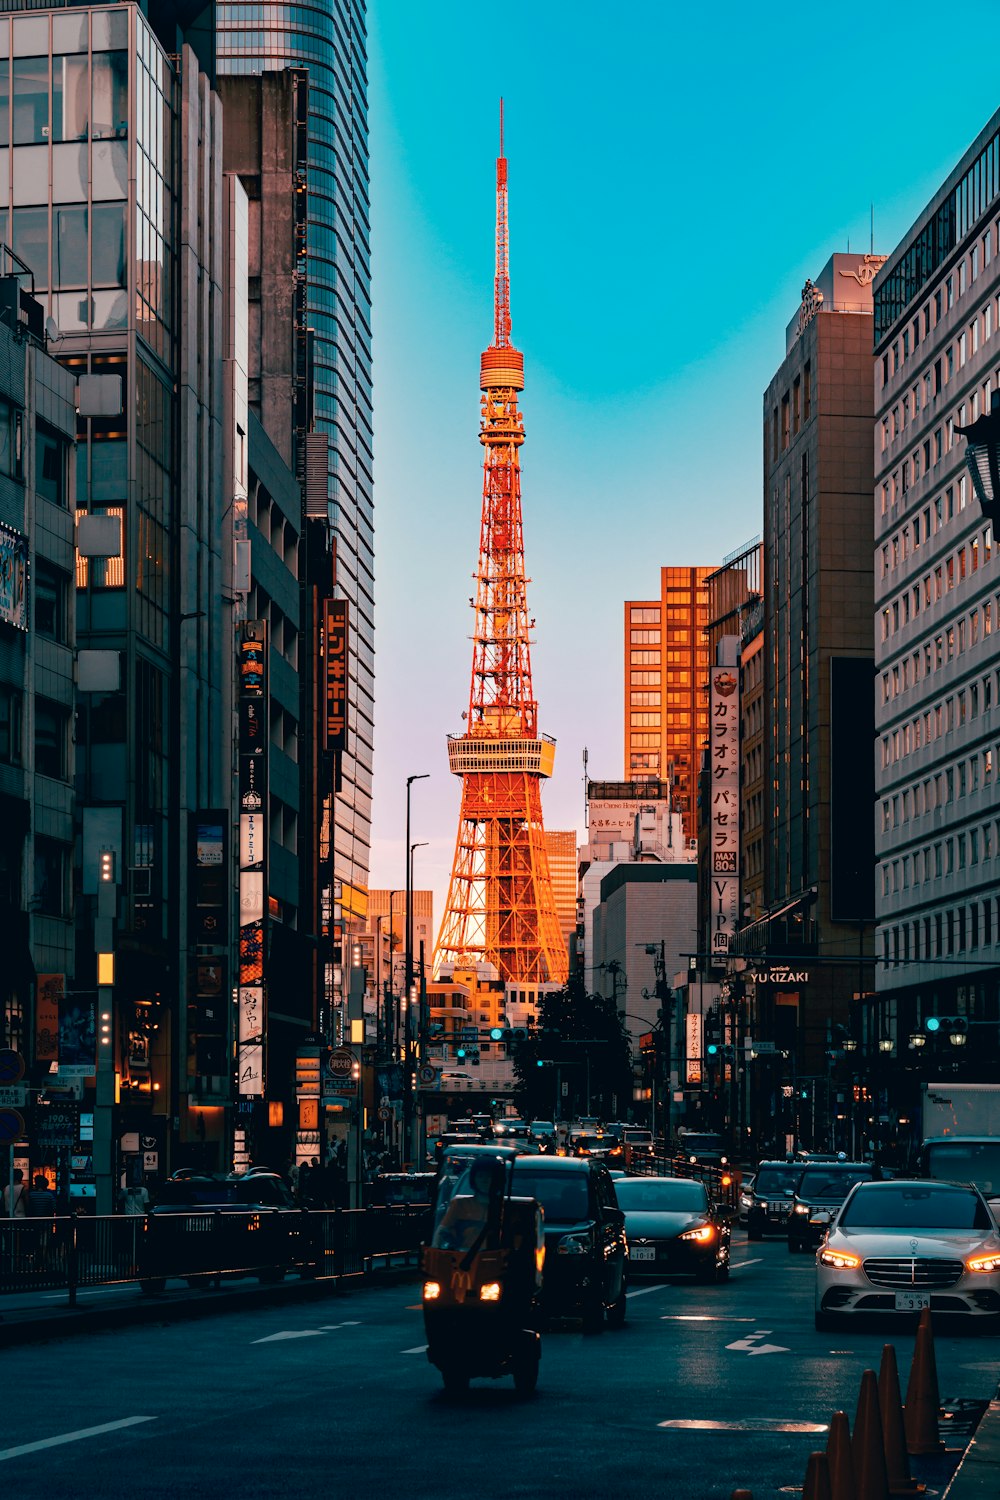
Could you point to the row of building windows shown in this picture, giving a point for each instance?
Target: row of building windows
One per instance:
(645, 615)
(937, 791)
(945, 717)
(944, 647)
(943, 934)
(940, 580)
(927, 455)
(793, 411)
(923, 525)
(51, 733)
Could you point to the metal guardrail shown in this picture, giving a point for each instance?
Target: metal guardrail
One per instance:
(40, 1255)
(722, 1183)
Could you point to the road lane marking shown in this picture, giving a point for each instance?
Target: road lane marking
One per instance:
(417, 1349)
(762, 1424)
(332, 1327)
(641, 1291)
(737, 1265)
(73, 1437)
(703, 1318)
(749, 1345)
(299, 1333)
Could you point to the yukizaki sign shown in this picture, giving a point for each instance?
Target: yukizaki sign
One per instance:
(781, 978)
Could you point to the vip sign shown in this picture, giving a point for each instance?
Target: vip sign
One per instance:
(724, 816)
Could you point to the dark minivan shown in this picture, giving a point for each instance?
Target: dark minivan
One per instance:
(585, 1248)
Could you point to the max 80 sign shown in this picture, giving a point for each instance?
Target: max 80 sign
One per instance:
(724, 808)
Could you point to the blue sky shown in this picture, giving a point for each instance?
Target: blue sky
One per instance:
(675, 176)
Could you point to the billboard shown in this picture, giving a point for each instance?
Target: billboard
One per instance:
(13, 578)
(253, 795)
(335, 674)
(724, 808)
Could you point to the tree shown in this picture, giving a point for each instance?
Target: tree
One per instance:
(579, 1039)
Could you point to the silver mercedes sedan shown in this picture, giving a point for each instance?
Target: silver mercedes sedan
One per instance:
(898, 1247)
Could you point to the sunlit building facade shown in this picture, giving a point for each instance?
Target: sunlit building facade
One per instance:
(666, 675)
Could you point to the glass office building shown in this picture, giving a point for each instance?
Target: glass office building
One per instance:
(329, 39)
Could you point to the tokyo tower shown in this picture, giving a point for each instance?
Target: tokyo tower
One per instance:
(500, 907)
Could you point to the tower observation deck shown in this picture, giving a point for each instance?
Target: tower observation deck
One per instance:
(500, 907)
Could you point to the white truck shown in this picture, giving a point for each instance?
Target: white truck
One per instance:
(960, 1125)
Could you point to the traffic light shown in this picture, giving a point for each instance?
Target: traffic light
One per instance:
(955, 1028)
(496, 1033)
(713, 1033)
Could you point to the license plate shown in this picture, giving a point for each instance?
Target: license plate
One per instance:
(643, 1252)
(912, 1301)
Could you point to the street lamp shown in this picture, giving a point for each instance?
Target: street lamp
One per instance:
(408, 974)
(982, 455)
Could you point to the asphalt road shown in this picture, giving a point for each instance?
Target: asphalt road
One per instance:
(336, 1398)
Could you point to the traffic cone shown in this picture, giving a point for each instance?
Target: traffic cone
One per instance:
(897, 1463)
(867, 1445)
(817, 1485)
(840, 1459)
(920, 1414)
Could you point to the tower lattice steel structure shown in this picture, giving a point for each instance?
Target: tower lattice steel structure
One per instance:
(500, 906)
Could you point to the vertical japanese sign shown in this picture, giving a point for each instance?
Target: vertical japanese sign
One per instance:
(692, 1046)
(335, 674)
(47, 997)
(253, 718)
(724, 808)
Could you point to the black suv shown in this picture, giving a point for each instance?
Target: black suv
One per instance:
(771, 1198)
(585, 1249)
(820, 1191)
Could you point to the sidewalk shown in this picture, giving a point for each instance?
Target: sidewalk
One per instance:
(34, 1317)
(978, 1474)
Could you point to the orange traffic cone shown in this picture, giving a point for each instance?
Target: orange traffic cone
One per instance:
(920, 1414)
(817, 1485)
(867, 1444)
(840, 1459)
(897, 1462)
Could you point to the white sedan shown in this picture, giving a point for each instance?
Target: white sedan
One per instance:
(898, 1247)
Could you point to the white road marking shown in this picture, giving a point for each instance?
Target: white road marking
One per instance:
(701, 1318)
(641, 1291)
(749, 1345)
(764, 1424)
(332, 1327)
(73, 1437)
(737, 1265)
(300, 1333)
(417, 1349)
(83, 1291)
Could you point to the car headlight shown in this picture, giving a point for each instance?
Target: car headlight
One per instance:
(573, 1244)
(801, 1208)
(745, 1200)
(490, 1291)
(840, 1260)
(701, 1235)
(983, 1262)
(432, 1291)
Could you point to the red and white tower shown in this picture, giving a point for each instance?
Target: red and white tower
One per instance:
(500, 907)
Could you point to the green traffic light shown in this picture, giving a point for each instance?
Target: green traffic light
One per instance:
(496, 1033)
(539, 1064)
(933, 1023)
(712, 1049)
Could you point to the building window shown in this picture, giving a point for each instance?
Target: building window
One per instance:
(50, 897)
(50, 739)
(10, 725)
(30, 80)
(50, 465)
(48, 593)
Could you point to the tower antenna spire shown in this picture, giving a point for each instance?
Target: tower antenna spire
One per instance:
(501, 293)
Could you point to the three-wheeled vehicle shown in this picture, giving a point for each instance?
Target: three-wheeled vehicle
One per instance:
(482, 1277)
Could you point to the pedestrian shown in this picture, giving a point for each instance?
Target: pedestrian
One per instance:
(305, 1171)
(15, 1204)
(133, 1200)
(41, 1199)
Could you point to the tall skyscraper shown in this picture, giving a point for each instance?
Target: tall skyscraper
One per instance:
(937, 331)
(329, 40)
(666, 671)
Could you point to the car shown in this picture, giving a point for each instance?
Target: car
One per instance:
(701, 1148)
(745, 1198)
(585, 1246)
(819, 1192)
(606, 1148)
(638, 1145)
(455, 1138)
(898, 1247)
(673, 1227)
(247, 1223)
(771, 1198)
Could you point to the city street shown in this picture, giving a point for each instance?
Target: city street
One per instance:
(337, 1398)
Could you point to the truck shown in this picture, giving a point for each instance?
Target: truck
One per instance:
(960, 1126)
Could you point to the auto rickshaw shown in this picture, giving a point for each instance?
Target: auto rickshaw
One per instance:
(482, 1279)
